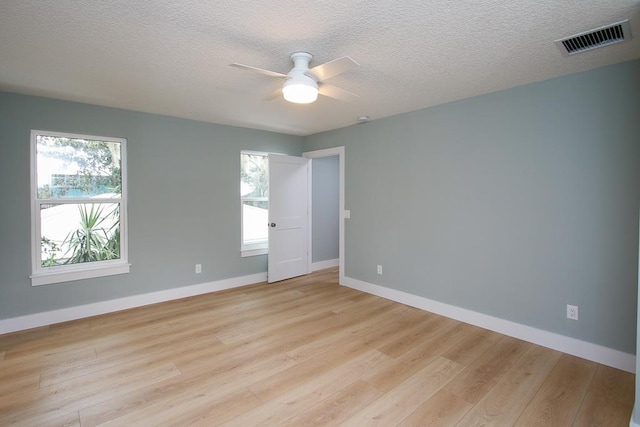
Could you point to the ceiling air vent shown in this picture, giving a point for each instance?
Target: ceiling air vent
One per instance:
(593, 39)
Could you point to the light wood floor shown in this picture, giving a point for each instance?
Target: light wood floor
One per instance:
(300, 352)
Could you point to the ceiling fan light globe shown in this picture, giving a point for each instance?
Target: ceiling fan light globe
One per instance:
(300, 92)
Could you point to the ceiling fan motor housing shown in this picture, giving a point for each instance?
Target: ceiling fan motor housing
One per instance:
(300, 87)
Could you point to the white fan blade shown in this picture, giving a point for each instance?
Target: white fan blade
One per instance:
(332, 68)
(259, 70)
(274, 95)
(337, 93)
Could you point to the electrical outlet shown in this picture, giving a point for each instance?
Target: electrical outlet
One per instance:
(198, 268)
(572, 312)
(379, 269)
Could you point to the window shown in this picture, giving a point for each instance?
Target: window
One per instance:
(78, 207)
(254, 199)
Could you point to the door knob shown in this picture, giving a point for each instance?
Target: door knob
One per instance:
(273, 224)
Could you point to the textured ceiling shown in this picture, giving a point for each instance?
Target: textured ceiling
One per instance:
(172, 57)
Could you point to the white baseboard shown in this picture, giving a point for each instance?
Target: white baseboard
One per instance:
(583, 349)
(321, 265)
(72, 313)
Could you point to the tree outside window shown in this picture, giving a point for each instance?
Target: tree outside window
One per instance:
(254, 195)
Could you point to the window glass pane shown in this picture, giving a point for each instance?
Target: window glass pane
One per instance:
(255, 215)
(76, 233)
(74, 167)
(254, 175)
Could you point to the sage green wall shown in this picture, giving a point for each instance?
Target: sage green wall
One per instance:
(325, 208)
(511, 204)
(636, 407)
(184, 203)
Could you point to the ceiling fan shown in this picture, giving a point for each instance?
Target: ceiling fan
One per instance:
(302, 85)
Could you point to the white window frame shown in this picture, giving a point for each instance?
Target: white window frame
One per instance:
(64, 273)
(252, 249)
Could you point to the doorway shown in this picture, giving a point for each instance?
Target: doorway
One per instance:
(327, 212)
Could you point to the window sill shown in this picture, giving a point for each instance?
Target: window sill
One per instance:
(67, 275)
(247, 252)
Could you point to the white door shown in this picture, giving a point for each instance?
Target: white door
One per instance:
(288, 217)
